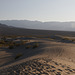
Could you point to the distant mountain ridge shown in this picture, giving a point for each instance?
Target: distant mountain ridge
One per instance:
(10, 30)
(3, 25)
(63, 26)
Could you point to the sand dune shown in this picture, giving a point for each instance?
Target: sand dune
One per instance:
(50, 58)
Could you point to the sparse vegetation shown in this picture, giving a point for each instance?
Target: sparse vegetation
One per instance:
(18, 56)
(23, 42)
(11, 46)
(73, 40)
(35, 45)
(2, 42)
(66, 38)
(51, 39)
(69, 39)
(28, 46)
(1, 45)
(17, 44)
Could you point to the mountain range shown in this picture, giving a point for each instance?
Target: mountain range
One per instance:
(62, 26)
(11, 30)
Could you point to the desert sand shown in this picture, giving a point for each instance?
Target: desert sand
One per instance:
(49, 58)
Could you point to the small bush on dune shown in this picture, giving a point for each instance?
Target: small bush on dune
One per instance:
(23, 42)
(1, 45)
(35, 45)
(28, 46)
(69, 39)
(73, 40)
(2, 42)
(32, 45)
(51, 39)
(11, 46)
(18, 55)
(66, 39)
(17, 44)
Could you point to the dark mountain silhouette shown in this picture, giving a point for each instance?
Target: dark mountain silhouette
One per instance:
(63, 26)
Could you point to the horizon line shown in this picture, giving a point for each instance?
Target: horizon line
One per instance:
(32, 20)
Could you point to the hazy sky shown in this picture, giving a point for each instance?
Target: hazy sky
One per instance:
(42, 10)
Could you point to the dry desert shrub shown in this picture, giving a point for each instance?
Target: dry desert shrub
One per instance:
(11, 46)
(17, 44)
(73, 40)
(35, 45)
(1, 45)
(69, 39)
(23, 42)
(18, 56)
(66, 38)
(28, 46)
(2, 42)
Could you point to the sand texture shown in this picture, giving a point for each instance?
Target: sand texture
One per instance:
(49, 58)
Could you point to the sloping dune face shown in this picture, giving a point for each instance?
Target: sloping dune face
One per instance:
(49, 58)
(61, 50)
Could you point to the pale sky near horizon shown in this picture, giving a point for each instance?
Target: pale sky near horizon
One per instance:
(41, 10)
